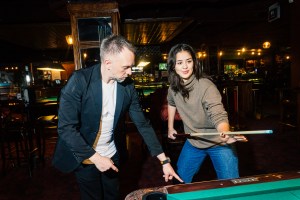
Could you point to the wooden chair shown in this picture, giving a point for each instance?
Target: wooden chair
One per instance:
(15, 135)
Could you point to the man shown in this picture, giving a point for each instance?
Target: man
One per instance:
(92, 105)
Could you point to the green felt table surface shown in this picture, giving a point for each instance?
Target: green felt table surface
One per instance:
(277, 190)
(273, 186)
(47, 99)
(148, 91)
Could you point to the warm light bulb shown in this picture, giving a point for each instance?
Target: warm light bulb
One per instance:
(69, 39)
(165, 56)
(143, 64)
(266, 45)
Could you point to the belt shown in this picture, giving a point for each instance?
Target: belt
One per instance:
(87, 162)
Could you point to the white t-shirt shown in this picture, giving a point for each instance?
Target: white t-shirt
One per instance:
(106, 145)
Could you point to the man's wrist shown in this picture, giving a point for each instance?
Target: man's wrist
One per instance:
(167, 160)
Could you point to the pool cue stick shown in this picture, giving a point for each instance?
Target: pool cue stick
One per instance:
(234, 133)
(227, 132)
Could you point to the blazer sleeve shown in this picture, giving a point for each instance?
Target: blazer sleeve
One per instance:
(143, 124)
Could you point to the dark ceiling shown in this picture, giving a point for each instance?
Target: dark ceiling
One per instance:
(38, 27)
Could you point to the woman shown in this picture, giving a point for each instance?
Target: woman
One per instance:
(199, 104)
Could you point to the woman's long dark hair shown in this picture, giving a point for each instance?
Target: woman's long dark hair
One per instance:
(176, 83)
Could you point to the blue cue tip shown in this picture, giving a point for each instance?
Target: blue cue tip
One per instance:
(269, 131)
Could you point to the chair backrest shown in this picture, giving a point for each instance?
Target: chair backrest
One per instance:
(164, 108)
(13, 113)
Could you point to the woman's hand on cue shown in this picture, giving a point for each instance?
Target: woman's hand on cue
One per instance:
(240, 138)
(229, 140)
(172, 133)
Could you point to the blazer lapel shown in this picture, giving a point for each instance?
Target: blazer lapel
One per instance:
(97, 94)
(119, 101)
(96, 89)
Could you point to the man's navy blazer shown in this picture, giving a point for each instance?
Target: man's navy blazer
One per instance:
(80, 108)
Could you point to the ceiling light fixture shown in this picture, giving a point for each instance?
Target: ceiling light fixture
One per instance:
(143, 64)
(69, 39)
(54, 66)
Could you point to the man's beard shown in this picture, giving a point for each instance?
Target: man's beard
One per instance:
(119, 80)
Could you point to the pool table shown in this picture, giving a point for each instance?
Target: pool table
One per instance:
(47, 99)
(44, 107)
(275, 186)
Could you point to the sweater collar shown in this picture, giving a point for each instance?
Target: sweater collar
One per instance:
(190, 82)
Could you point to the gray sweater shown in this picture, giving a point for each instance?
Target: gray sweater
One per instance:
(201, 112)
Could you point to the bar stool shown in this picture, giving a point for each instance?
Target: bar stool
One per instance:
(230, 100)
(256, 103)
(46, 127)
(288, 113)
(45, 116)
(288, 109)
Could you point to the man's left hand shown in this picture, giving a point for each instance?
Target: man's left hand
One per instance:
(169, 173)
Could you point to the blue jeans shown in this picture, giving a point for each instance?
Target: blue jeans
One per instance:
(224, 160)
